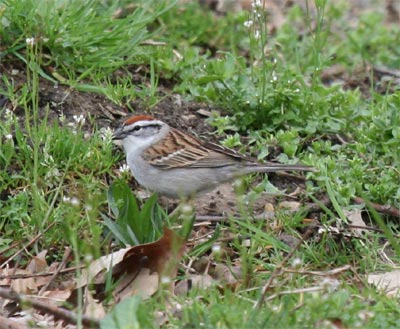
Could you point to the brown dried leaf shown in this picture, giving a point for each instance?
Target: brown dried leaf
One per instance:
(38, 263)
(92, 307)
(24, 286)
(139, 269)
(160, 256)
(389, 282)
(95, 272)
(356, 219)
(55, 297)
(226, 274)
(141, 283)
(196, 281)
(290, 206)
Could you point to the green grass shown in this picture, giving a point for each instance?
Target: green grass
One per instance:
(55, 172)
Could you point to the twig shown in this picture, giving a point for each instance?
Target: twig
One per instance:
(384, 209)
(295, 291)
(319, 273)
(368, 228)
(12, 246)
(289, 175)
(59, 313)
(386, 71)
(37, 237)
(67, 253)
(36, 275)
(341, 139)
(311, 207)
(221, 219)
(278, 270)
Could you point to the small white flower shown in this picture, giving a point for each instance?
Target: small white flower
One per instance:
(248, 23)
(297, 262)
(256, 4)
(187, 209)
(216, 248)
(106, 134)
(66, 199)
(75, 201)
(9, 116)
(165, 280)
(297, 90)
(79, 119)
(257, 34)
(124, 168)
(30, 42)
(88, 258)
(9, 136)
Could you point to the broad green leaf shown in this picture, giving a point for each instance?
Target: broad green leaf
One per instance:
(123, 316)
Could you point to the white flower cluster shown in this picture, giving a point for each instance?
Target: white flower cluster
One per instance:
(74, 201)
(106, 134)
(79, 119)
(124, 169)
(30, 42)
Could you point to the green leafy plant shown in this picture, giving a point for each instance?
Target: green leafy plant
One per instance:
(133, 224)
(130, 313)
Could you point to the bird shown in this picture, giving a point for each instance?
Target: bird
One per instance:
(173, 163)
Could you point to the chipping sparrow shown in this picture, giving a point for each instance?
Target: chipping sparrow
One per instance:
(168, 161)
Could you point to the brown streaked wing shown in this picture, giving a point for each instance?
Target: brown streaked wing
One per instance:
(175, 150)
(195, 154)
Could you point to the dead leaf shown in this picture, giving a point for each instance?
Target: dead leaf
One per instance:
(269, 207)
(389, 282)
(142, 283)
(137, 270)
(227, 275)
(24, 286)
(92, 308)
(355, 218)
(105, 263)
(291, 206)
(160, 256)
(38, 263)
(55, 297)
(196, 281)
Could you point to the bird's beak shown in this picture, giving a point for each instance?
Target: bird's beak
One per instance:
(118, 134)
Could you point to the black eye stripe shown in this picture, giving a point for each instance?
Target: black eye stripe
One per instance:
(137, 128)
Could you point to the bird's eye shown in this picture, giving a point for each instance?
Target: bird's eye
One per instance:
(137, 128)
